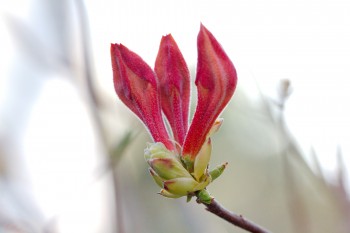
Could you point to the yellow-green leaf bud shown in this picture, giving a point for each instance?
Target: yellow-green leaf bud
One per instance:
(217, 171)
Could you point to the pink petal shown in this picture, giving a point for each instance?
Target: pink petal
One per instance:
(136, 85)
(174, 80)
(216, 82)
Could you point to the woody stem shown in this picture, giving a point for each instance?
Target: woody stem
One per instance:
(237, 220)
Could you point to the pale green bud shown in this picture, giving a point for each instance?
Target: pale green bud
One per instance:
(180, 186)
(202, 160)
(168, 168)
(170, 174)
(157, 150)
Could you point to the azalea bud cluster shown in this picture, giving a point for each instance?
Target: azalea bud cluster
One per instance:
(178, 164)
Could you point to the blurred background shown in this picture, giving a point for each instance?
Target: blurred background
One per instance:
(71, 155)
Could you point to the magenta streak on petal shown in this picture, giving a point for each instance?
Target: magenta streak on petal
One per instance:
(174, 79)
(216, 82)
(136, 86)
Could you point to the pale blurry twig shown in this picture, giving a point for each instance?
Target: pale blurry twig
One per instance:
(120, 148)
(115, 155)
(296, 202)
(340, 191)
(318, 167)
(237, 220)
(94, 106)
(35, 47)
(88, 72)
(296, 206)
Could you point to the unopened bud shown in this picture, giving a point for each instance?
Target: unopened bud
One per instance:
(180, 186)
(217, 171)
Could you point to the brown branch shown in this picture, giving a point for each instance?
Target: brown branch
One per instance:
(237, 220)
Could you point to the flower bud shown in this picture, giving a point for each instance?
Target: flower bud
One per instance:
(174, 80)
(180, 171)
(136, 85)
(216, 82)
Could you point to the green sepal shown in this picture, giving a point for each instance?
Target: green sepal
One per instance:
(156, 177)
(189, 197)
(202, 160)
(180, 186)
(203, 196)
(217, 171)
(203, 184)
(165, 193)
(188, 162)
(168, 168)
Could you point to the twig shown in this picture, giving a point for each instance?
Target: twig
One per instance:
(118, 200)
(94, 105)
(237, 220)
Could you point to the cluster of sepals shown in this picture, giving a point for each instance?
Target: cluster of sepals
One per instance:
(178, 164)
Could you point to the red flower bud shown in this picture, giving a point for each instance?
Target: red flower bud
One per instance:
(174, 80)
(140, 90)
(136, 86)
(216, 82)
